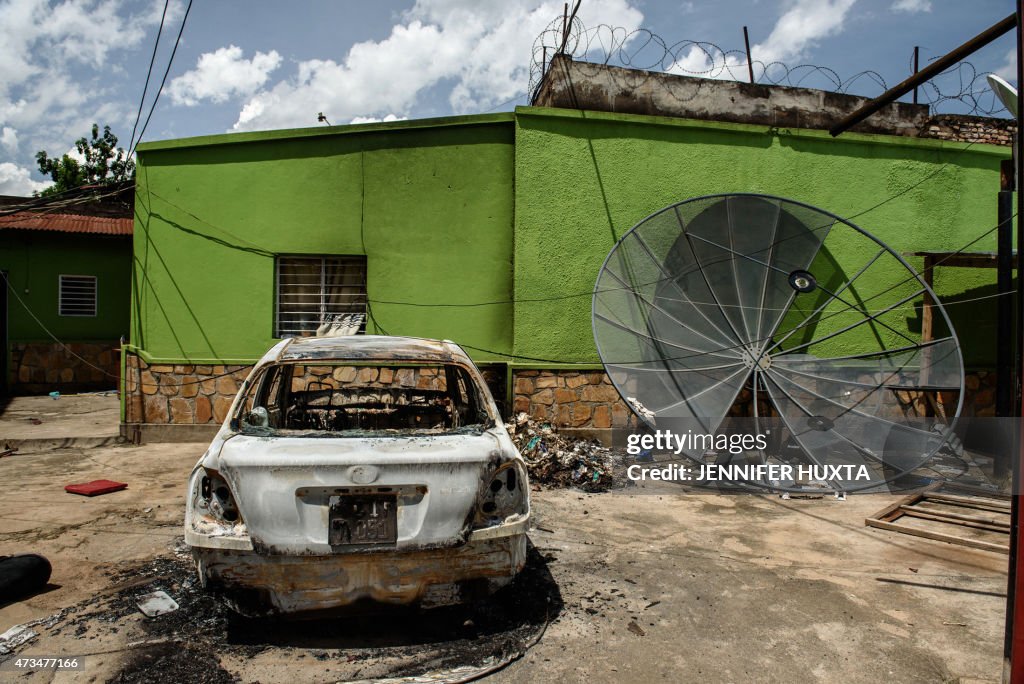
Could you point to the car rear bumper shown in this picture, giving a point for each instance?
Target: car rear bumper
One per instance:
(262, 584)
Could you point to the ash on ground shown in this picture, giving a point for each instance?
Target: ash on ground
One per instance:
(199, 641)
(554, 460)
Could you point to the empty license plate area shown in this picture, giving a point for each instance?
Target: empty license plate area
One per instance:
(363, 519)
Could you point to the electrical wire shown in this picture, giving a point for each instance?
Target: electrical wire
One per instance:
(149, 73)
(170, 61)
(10, 288)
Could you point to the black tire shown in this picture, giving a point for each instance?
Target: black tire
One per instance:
(22, 575)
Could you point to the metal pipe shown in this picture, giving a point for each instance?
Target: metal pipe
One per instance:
(1004, 318)
(926, 74)
(750, 62)
(1013, 643)
(917, 53)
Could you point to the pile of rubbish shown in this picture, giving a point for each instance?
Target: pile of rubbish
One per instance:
(555, 461)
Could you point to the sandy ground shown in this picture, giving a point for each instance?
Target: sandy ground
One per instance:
(670, 586)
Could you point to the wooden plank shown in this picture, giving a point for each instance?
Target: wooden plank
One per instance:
(977, 524)
(938, 536)
(895, 507)
(967, 502)
(960, 516)
(958, 488)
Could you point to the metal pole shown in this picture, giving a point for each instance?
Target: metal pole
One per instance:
(917, 52)
(565, 25)
(750, 62)
(926, 74)
(1013, 647)
(1004, 324)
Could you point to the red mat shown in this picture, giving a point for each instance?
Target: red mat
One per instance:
(96, 487)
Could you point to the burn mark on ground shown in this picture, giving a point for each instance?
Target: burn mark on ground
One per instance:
(199, 640)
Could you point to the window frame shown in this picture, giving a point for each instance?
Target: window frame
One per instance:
(276, 327)
(95, 296)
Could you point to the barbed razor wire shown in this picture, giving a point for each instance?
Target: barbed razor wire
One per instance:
(645, 54)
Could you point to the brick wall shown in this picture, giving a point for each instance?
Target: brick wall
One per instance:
(587, 399)
(963, 128)
(180, 394)
(38, 368)
(570, 399)
(193, 395)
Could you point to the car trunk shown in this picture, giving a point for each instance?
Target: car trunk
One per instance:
(329, 495)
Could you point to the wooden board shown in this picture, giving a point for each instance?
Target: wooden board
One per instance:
(994, 508)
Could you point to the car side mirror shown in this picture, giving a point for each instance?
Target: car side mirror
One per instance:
(258, 417)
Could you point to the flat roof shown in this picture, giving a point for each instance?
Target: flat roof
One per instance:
(371, 347)
(326, 131)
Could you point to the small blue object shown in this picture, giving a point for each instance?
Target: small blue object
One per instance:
(645, 456)
(55, 395)
(532, 443)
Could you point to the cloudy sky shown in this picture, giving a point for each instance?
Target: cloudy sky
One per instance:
(255, 64)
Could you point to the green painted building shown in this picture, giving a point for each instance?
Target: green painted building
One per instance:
(488, 230)
(64, 307)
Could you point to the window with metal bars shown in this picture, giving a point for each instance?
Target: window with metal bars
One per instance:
(77, 295)
(314, 293)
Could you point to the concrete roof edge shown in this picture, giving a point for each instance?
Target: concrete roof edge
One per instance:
(326, 131)
(874, 138)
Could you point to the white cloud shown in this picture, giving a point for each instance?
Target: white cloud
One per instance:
(223, 74)
(56, 61)
(1008, 70)
(15, 180)
(373, 119)
(482, 49)
(9, 139)
(800, 28)
(912, 6)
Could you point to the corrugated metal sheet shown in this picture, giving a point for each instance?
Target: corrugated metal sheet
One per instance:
(67, 223)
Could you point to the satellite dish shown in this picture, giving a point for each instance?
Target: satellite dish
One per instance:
(1006, 93)
(803, 322)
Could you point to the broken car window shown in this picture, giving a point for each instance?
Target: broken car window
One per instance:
(340, 399)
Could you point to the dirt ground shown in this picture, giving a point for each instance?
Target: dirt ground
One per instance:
(660, 586)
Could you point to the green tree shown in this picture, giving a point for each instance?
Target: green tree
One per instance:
(104, 163)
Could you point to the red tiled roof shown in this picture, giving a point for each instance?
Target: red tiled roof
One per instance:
(67, 223)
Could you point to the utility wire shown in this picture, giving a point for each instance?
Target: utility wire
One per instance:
(170, 61)
(10, 288)
(149, 73)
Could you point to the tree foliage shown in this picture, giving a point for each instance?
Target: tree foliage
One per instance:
(102, 163)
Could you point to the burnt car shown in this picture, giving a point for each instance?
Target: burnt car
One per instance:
(359, 468)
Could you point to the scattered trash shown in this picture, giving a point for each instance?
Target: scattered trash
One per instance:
(15, 637)
(34, 421)
(55, 395)
(23, 575)
(635, 628)
(955, 624)
(555, 460)
(96, 487)
(640, 408)
(156, 603)
(9, 451)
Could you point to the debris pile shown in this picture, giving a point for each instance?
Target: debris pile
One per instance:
(554, 460)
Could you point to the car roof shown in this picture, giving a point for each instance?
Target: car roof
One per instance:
(371, 348)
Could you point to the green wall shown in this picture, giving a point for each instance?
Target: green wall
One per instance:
(35, 260)
(472, 212)
(584, 178)
(428, 202)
